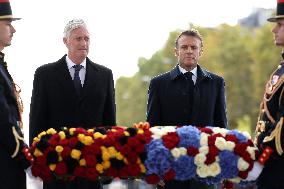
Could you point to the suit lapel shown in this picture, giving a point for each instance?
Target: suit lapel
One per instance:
(64, 77)
(91, 78)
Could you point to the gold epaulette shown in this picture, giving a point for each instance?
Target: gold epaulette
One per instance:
(276, 134)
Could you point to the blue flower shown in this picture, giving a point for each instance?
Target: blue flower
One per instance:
(229, 164)
(189, 136)
(159, 159)
(184, 167)
(240, 136)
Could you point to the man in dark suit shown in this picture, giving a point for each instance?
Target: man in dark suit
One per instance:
(72, 92)
(187, 95)
(14, 151)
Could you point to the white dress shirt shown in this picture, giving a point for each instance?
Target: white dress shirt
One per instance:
(82, 72)
(194, 73)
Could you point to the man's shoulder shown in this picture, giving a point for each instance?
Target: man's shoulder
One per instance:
(97, 66)
(162, 77)
(48, 66)
(211, 75)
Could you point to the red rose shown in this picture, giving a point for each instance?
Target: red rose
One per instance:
(111, 172)
(52, 142)
(231, 138)
(41, 160)
(125, 150)
(240, 148)
(210, 159)
(152, 179)
(132, 157)
(61, 168)
(45, 174)
(123, 172)
(80, 171)
(140, 148)
(73, 142)
(64, 142)
(133, 142)
(206, 130)
(91, 160)
(66, 152)
(92, 174)
(36, 170)
(80, 130)
(211, 140)
(47, 151)
(243, 174)
(170, 140)
(134, 170)
(169, 175)
(191, 151)
(218, 135)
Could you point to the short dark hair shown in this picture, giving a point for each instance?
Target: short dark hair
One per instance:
(192, 32)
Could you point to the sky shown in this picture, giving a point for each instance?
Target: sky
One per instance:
(121, 31)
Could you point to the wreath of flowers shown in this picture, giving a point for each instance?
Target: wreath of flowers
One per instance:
(208, 154)
(101, 153)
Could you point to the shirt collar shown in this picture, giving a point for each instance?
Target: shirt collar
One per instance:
(182, 70)
(70, 63)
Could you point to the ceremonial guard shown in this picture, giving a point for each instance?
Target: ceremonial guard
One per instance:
(269, 131)
(14, 153)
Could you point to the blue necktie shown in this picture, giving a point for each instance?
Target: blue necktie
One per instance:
(76, 80)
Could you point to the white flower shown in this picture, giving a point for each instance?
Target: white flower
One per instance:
(183, 151)
(251, 150)
(199, 159)
(214, 169)
(204, 150)
(230, 145)
(202, 171)
(220, 143)
(204, 139)
(242, 164)
(177, 152)
(159, 131)
(222, 131)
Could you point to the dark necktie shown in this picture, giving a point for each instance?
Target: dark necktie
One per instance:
(188, 76)
(76, 80)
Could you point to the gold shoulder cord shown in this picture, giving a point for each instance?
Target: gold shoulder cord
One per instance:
(276, 133)
(17, 91)
(17, 139)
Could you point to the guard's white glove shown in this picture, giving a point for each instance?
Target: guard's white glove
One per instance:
(29, 173)
(255, 172)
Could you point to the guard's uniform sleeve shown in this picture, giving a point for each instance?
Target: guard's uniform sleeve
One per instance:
(11, 137)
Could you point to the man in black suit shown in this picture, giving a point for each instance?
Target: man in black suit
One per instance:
(14, 152)
(187, 95)
(72, 92)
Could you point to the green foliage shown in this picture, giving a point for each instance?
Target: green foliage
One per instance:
(244, 57)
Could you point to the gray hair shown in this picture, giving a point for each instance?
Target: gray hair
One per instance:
(73, 24)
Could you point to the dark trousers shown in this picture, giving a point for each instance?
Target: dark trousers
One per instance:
(188, 184)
